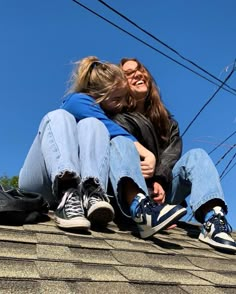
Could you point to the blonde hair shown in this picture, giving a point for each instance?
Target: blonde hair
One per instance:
(96, 78)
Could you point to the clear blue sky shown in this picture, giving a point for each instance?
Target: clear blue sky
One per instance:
(40, 40)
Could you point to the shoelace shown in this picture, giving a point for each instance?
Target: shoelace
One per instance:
(220, 222)
(72, 204)
(95, 196)
(148, 206)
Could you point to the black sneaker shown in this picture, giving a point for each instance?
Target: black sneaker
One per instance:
(70, 211)
(216, 233)
(99, 210)
(151, 217)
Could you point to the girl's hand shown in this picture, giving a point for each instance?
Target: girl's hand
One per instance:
(159, 194)
(148, 166)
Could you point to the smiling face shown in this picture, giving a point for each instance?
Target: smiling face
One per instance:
(137, 79)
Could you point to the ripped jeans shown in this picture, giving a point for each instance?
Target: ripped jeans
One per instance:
(82, 148)
(195, 175)
(64, 145)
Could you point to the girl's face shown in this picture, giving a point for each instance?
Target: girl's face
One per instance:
(137, 79)
(117, 99)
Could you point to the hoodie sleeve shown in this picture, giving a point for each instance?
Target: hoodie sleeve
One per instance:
(83, 106)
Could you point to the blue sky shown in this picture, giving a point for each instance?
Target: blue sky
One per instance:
(41, 39)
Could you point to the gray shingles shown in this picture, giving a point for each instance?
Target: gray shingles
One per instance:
(105, 287)
(102, 273)
(88, 243)
(56, 287)
(158, 289)
(52, 239)
(16, 287)
(197, 252)
(54, 252)
(42, 228)
(45, 259)
(202, 290)
(18, 250)
(153, 260)
(18, 236)
(134, 246)
(161, 276)
(18, 269)
(58, 270)
(93, 256)
(213, 263)
(217, 278)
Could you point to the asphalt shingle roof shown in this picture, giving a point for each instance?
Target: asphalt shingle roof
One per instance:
(41, 258)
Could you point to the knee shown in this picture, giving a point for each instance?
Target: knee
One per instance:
(93, 124)
(60, 114)
(198, 153)
(124, 143)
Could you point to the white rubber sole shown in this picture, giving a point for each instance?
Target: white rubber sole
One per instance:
(148, 232)
(73, 223)
(211, 242)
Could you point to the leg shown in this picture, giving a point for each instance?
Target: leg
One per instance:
(125, 170)
(131, 191)
(51, 166)
(53, 153)
(195, 174)
(94, 158)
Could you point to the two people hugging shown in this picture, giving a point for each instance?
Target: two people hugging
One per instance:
(113, 126)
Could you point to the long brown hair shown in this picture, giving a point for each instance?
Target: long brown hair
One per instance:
(154, 108)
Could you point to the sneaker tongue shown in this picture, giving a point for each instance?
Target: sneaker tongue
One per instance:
(218, 210)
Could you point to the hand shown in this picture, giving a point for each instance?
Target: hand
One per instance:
(159, 194)
(148, 160)
(148, 165)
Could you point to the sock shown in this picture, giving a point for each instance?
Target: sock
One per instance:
(215, 210)
(135, 204)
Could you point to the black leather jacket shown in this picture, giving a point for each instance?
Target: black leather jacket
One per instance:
(142, 129)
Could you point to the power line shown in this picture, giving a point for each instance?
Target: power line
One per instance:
(148, 45)
(209, 100)
(224, 155)
(225, 174)
(220, 144)
(164, 44)
(222, 174)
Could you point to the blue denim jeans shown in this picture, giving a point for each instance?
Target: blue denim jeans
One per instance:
(195, 175)
(82, 148)
(63, 145)
(125, 163)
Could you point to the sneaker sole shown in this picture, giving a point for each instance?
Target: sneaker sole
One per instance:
(168, 222)
(101, 213)
(74, 223)
(216, 245)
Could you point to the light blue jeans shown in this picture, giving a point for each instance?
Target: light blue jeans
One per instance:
(195, 174)
(82, 148)
(61, 145)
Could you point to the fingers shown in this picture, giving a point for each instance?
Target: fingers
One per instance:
(159, 197)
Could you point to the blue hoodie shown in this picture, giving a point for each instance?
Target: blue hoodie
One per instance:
(82, 106)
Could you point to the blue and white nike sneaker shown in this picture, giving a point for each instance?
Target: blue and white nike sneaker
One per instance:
(151, 217)
(216, 232)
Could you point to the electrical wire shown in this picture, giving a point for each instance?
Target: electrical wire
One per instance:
(225, 174)
(220, 144)
(209, 100)
(161, 42)
(223, 83)
(150, 46)
(224, 155)
(222, 174)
